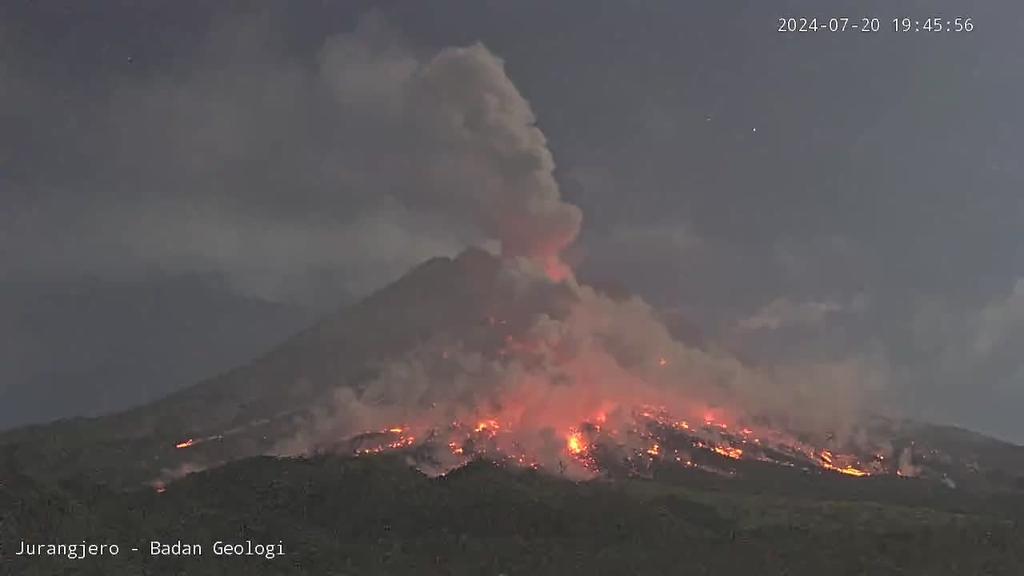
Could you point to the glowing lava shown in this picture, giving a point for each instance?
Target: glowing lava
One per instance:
(394, 438)
(728, 452)
(575, 444)
(490, 426)
(608, 442)
(827, 460)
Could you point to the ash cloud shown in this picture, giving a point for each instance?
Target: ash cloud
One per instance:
(295, 177)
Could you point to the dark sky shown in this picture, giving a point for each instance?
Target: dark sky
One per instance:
(183, 184)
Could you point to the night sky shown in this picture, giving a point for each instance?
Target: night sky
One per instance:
(184, 184)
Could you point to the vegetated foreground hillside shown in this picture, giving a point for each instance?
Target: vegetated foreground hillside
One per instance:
(376, 515)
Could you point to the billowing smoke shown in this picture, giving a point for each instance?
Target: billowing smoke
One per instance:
(476, 153)
(297, 176)
(512, 191)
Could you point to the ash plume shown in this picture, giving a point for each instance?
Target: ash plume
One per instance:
(296, 176)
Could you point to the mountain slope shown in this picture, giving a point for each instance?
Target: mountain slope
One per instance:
(262, 398)
(88, 347)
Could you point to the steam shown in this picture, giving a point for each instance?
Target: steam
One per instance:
(784, 312)
(906, 463)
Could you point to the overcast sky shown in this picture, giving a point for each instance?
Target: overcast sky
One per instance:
(239, 170)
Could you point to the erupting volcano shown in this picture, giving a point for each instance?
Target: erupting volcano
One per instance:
(504, 354)
(488, 357)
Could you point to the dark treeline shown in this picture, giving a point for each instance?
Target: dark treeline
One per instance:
(378, 516)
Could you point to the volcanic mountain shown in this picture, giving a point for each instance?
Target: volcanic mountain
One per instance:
(477, 357)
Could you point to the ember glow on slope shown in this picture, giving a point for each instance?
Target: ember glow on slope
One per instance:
(575, 392)
(582, 446)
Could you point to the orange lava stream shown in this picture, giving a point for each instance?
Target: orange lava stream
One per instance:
(728, 452)
(827, 463)
(575, 444)
(665, 440)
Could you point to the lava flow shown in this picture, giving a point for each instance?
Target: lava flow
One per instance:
(651, 438)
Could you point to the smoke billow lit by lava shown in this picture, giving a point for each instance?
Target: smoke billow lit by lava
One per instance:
(574, 382)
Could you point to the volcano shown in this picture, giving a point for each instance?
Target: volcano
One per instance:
(478, 416)
(480, 357)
